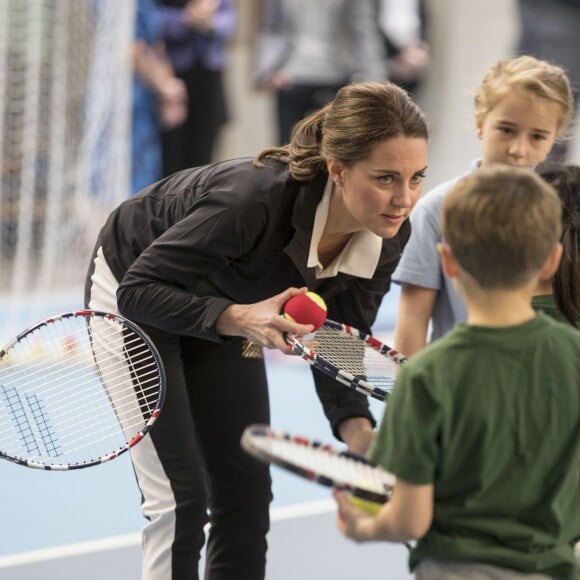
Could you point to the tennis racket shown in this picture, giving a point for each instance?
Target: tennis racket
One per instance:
(353, 358)
(77, 390)
(321, 463)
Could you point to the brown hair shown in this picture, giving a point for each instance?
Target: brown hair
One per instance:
(501, 224)
(535, 76)
(565, 179)
(361, 115)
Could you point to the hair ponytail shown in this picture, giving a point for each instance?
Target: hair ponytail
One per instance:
(303, 154)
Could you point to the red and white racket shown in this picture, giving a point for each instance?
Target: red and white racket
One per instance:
(321, 463)
(76, 390)
(353, 358)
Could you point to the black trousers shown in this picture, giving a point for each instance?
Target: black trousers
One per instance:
(298, 101)
(214, 392)
(192, 143)
(191, 468)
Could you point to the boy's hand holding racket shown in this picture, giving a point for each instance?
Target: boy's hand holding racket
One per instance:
(354, 519)
(368, 485)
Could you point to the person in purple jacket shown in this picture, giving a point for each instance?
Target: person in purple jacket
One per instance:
(196, 33)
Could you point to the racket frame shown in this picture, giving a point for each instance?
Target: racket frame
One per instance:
(340, 375)
(254, 432)
(138, 436)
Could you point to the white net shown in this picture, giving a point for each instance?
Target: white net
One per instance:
(65, 111)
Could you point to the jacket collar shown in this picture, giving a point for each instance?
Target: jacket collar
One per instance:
(308, 197)
(307, 200)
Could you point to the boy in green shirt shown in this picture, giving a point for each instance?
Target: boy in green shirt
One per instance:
(483, 427)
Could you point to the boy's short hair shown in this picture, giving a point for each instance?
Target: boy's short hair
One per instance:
(501, 224)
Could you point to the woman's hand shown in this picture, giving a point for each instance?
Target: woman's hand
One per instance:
(261, 322)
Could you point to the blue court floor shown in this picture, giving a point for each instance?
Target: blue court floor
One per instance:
(41, 510)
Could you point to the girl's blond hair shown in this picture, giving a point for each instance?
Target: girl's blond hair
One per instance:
(535, 76)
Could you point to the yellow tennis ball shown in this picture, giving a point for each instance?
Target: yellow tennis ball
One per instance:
(371, 507)
(308, 308)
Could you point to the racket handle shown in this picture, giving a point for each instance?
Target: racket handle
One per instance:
(371, 507)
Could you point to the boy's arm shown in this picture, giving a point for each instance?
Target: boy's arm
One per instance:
(415, 309)
(411, 454)
(407, 516)
(357, 433)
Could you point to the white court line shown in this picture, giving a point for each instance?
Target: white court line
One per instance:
(134, 540)
(301, 510)
(70, 550)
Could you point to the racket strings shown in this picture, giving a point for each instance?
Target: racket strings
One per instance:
(75, 385)
(35, 362)
(82, 377)
(356, 357)
(51, 382)
(53, 447)
(78, 371)
(129, 418)
(94, 436)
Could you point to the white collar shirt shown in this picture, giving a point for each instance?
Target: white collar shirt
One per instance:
(359, 257)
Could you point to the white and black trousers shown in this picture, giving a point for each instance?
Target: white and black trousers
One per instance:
(191, 468)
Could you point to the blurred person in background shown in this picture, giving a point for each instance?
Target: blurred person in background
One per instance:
(404, 26)
(159, 97)
(308, 49)
(196, 34)
(550, 30)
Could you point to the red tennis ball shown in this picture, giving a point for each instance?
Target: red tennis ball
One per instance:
(308, 308)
